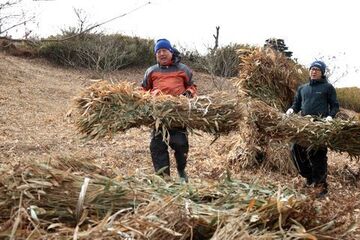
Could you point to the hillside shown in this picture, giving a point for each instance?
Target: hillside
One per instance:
(36, 121)
(37, 124)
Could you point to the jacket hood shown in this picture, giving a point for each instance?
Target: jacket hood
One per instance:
(176, 56)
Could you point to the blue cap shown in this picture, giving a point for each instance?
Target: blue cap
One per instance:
(163, 43)
(320, 65)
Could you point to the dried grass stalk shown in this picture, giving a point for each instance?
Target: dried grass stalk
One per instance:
(106, 109)
(338, 135)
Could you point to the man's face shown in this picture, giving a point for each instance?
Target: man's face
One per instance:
(315, 73)
(163, 57)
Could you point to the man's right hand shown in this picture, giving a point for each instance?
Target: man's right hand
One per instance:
(289, 111)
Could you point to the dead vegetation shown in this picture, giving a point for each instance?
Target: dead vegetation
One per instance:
(34, 128)
(105, 109)
(84, 204)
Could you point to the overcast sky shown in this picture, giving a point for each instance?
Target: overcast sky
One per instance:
(322, 29)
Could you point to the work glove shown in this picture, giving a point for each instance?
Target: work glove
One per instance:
(187, 94)
(289, 111)
(328, 119)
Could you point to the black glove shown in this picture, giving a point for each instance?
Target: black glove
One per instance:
(187, 94)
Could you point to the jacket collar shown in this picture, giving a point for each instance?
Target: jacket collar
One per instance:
(318, 81)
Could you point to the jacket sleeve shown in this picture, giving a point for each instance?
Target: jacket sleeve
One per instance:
(146, 83)
(297, 101)
(333, 102)
(189, 83)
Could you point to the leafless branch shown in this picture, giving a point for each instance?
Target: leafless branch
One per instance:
(100, 24)
(17, 24)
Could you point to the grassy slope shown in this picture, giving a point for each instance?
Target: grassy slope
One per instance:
(35, 101)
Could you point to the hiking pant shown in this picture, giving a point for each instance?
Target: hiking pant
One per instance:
(159, 150)
(311, 164)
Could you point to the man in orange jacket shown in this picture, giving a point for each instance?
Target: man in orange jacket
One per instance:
(171, 77)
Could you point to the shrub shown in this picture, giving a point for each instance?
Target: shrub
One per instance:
(98, 51)
(222, 62)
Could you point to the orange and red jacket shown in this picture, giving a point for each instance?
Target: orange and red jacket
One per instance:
(174, 79)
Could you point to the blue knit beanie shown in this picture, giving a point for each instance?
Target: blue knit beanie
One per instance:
(319, 64)
(163, 43)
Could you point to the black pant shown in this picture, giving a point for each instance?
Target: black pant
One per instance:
(311, 164)
(159, 150)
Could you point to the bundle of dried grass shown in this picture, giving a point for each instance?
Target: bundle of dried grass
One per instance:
(338, 135)
(252, 149)
(210, 212)
(274, 156)
(246, 147)
(347, 114)
(51, 193)
(106, 109)
(277, 157)
(43, 202)
(269, 76)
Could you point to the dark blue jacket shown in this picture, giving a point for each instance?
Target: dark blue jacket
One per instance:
(317, 98)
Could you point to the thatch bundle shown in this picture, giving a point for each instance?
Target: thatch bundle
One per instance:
(347, 114)
(270, 76)
(106, 109)
(39, 201)
(245, 147)
(338, 135)
(54, 193)
(253, 148)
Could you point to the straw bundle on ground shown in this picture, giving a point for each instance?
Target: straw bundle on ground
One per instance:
(106, 109)
(338, 135)
(251, 148)
(55, 193)
(269, 76)
(245, 150)
(42, 202)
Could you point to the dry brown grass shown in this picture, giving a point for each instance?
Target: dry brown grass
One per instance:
(35, 99)
(309, 132)
(270, 77)
(106, 109)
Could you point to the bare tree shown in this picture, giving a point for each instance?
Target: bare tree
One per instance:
(12, 16)
(216, 37)
(82, 19)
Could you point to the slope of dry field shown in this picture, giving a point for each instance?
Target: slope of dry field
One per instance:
(36, 124)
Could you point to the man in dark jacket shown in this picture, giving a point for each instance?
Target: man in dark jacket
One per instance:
(316, 98)
(171, 77)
